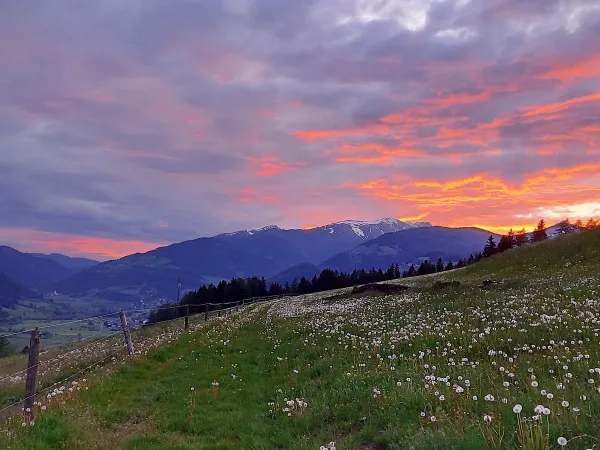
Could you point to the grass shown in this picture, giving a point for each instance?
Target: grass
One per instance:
(366, 371)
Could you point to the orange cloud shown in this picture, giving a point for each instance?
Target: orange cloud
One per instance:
(93, 247)
(267, 166)
(466, 201)
(414, 218)
(250, 195)
(566, 71)
(372, 153)
(550, 108)
(314, 135)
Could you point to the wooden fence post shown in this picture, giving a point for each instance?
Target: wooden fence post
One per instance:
(126, 333)
(206, 312)
(32, 373)
(219, 311)
(186, 320)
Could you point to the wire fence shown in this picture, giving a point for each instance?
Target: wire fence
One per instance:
(31, 369)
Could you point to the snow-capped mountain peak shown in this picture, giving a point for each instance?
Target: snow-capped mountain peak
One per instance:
(372, 229)
(364, 229)
(253, 231)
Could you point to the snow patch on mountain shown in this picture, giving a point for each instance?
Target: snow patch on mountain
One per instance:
(364, 229)
(371, 229)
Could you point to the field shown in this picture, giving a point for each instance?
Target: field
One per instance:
(28, 314)
(506, 357)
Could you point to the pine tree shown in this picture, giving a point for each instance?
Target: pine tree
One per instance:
(439, 265)
(592, 224)
(507, 241)
(304, 286)
(539, 234)
(521, 237)
(6, 348)
(490, 248)
(449, 265)
(512, 238)
(389, 273)
(564, 227)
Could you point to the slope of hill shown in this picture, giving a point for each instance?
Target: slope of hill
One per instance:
(265, 253)
(450, 367)
(30, 271)
(296, 272)
(411, 246)
(11, 291)
(70, 263)
(578, 252)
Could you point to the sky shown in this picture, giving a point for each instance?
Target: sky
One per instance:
(125, 125)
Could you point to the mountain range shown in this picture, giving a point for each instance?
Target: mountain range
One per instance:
(262, 252)
(73, 264)
(270, 252)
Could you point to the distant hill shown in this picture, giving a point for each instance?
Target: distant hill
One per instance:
(29, 270)
(11, 291)
(411, 246)
(306, 270)
(67, 261)
(265, 252)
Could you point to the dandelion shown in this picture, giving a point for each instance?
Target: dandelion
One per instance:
(517, 409)
(432, 418)
(562, 441)
(487, 418)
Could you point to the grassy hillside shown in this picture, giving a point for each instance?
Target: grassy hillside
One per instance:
(433, 367)
(575, 254)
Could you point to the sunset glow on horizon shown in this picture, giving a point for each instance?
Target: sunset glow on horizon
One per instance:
(176, 120)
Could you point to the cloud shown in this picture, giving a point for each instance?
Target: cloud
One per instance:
(212, 116)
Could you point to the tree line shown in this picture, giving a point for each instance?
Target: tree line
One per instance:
(238, 289)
